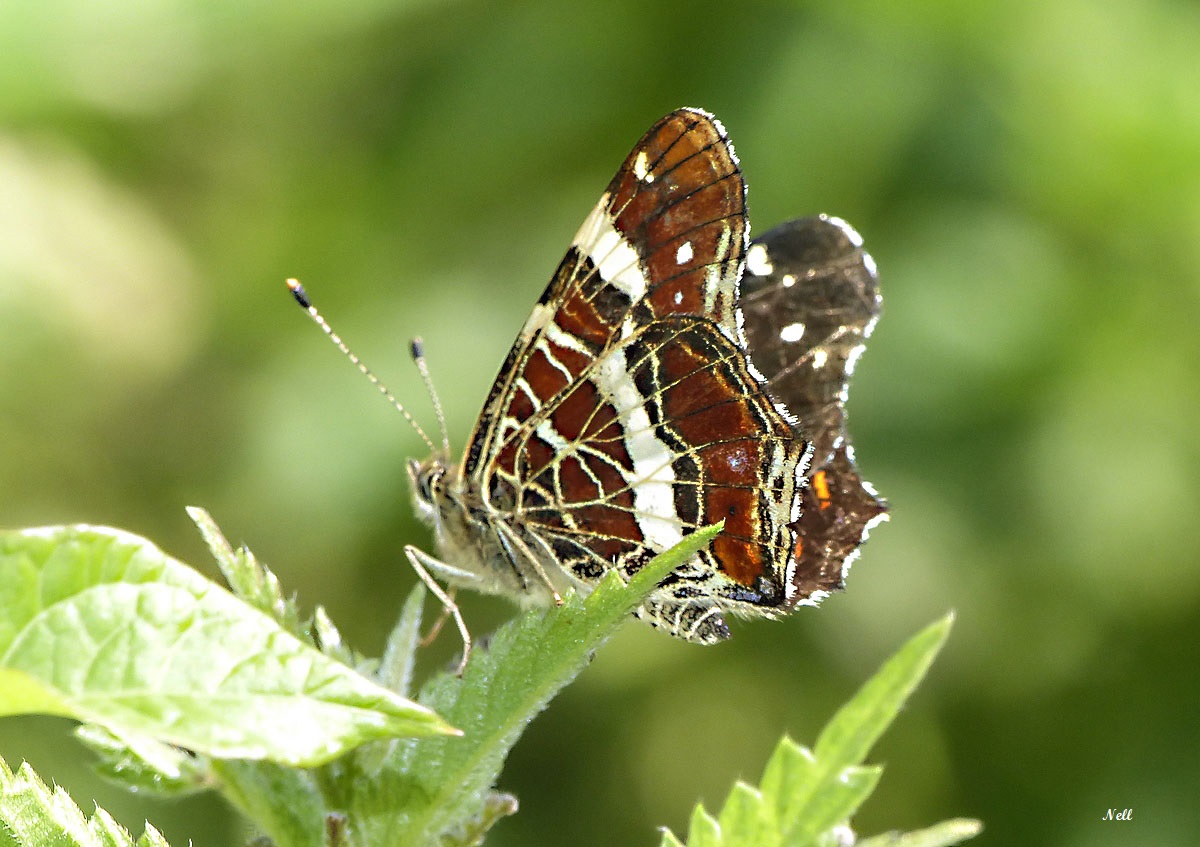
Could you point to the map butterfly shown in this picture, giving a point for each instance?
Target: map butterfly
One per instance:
(646, 396)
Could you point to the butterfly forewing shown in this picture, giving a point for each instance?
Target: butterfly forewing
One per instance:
(627, 413)
(679, 201)
(668, 236)
(811, 298)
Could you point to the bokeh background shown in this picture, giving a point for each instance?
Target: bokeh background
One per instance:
(1026, 174)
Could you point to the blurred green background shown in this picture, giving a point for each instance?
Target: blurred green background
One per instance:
(1027, 176)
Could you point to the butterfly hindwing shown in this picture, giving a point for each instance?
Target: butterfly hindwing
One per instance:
(811, 298)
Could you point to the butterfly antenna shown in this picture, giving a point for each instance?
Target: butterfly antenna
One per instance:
(418, 355)
(301, 297)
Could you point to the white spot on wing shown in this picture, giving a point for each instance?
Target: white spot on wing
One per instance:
(589, 231)
(820, 357)
(712, 276)
(611, 253)
(641, 167)
(524, 387)
(792, 332)
(564, 339)
(546, 431)
(538, 319)
(685, 253)
(758, 262)
(788, 280)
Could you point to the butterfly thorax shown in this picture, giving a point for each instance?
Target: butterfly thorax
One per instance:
(477, 541)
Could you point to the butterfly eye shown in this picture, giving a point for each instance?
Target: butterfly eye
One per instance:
(425, 480)
(429, 481)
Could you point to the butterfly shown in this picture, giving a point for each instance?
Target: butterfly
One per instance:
(634, 408)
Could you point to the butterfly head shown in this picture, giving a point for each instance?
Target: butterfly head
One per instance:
(428, 481)
(469, 550)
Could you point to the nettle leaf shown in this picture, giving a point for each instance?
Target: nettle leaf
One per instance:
(102, 626)
(807, 797)
(141, 763)
(33, 815)
(248, 579)
(953, 831)
(434, 791)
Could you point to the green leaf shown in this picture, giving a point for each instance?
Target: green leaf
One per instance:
(425, 790)
(141, 763)
(395, 670)
(848, 737)
(102, 626)
(746, 820)
(152, 838)
(705, 831)
(329, 638)
(859, 724)
(32, 815)
(497, 805)
(807, 797)
(944, 834)
(669, 840)
(248, 579)
(286, 803)
(396, 666)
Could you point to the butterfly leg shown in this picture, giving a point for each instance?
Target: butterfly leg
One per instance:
(432, 635)
(510, 540)
(422, 563)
